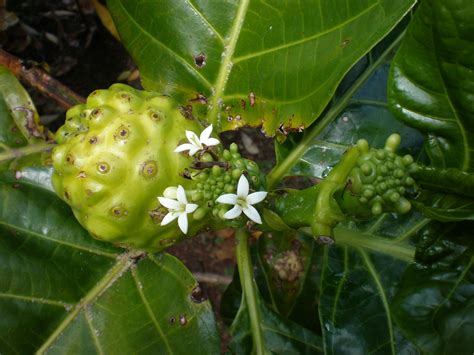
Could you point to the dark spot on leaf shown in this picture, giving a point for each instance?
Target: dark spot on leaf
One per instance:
(243, 103)
(345, 42)
(30, 125)
(187, 112)
(200, 60)
(198, 295)
(200, 98)
(93, 140)
(172, 320)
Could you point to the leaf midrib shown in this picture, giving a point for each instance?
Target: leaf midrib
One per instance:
(383, 296)
(117, 271)
(305, 39)
(226, 64)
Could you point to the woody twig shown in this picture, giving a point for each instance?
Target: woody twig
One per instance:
(40, 80)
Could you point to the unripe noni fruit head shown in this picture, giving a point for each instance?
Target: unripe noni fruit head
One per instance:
(381, 179)
(115, 155)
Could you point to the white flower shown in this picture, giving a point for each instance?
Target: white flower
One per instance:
(197, 143)
(178, 208)
(243, 201)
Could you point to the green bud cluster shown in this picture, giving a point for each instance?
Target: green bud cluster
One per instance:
(221, 178)
(381, 178)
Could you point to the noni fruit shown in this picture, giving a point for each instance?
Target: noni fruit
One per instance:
(115, 156)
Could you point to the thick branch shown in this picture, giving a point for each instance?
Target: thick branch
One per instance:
(40, 80)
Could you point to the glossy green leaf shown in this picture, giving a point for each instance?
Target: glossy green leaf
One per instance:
(451, 209)
(61, 291)
(360, 277)
(431, 80)
(252, 62)
(281, 335)
(435, 303)
(19, 120)
(367, 116)
(19, 125)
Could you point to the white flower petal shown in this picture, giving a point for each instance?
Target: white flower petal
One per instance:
(170, 217)
(170, 192)
(192, 138)
(243, 187)
(228, 199)
(205, 134)
(183, 222)
(169, 203)
(191, 207)
(194, 150)
(252, 213)
(235, 212)
(184, 147)
(181, 194)
(211, 141)
(256, 197)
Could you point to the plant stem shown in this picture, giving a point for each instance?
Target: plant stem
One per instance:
(278, 172)
(250, 291)
(23, 151)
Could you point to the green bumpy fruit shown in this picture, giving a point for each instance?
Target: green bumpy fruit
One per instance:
(115, 155)
(381, 179)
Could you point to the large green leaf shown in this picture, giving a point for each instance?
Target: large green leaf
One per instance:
(20, 132)
(252, 62)
(63, 292)
(19, 120)
(359, 279)
(435, 302)
(431, 86)
(367, 116)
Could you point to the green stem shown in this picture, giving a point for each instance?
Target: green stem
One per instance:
(327, 212)
(284, 166)
(400, 250)
(250, 291)
(14, 153)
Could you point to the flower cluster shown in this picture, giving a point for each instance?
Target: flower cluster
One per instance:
(175, 200)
